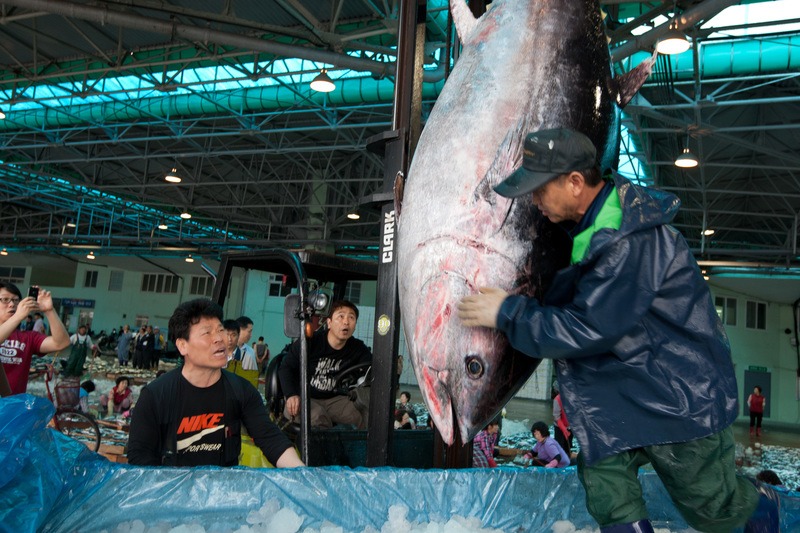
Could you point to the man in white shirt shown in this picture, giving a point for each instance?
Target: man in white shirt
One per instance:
(247, 354)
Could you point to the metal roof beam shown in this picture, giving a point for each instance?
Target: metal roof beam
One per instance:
(130, 20)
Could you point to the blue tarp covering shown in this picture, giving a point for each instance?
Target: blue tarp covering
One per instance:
(51, 483)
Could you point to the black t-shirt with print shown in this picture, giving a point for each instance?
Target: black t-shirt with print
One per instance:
(201, 429)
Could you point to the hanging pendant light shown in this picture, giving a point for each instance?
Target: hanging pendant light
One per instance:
(673, 42)
(323, 83)
(686, 159)
(172, 176)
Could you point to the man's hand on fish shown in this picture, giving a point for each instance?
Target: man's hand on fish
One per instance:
(481, 309)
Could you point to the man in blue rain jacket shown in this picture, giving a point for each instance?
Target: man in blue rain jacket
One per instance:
(642, 359)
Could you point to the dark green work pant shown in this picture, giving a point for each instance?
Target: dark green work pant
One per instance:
(699, 476)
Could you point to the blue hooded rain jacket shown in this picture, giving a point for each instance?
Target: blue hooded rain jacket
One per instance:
(641, 355)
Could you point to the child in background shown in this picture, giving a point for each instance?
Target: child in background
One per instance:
(86, 387)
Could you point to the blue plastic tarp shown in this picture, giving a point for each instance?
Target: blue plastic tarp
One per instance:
(50, 483)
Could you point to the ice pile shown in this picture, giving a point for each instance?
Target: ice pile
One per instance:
(272, 518)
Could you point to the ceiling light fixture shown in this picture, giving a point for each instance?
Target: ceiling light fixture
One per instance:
(90, 255)
(70, 223)
(2, 115)
(353, 214)
(708, 231)
(189, 259)
(673, 42)
(186, 215)
(323, 83)
(3, 252)
(687, 159)
(65, 244)
(172, 176)
(163, 226)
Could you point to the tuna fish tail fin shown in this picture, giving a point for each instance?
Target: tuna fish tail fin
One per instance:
(463, 19)
(626, 86)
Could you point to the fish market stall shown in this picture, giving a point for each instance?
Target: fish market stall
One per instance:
(51, 483)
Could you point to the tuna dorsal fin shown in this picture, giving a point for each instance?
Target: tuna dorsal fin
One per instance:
(627, 85)
(463, 18)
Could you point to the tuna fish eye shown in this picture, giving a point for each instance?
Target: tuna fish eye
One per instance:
(474, 366)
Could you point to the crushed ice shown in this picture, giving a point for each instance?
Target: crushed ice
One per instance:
(273, 518)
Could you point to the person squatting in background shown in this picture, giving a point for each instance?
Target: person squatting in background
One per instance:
(87, 387)
(546, 452)
(483, 446)
(119, 398)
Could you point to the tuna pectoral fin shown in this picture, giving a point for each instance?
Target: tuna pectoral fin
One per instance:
(627, 85)
(506, 159)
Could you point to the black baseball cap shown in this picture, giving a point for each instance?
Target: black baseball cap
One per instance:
(546, 155)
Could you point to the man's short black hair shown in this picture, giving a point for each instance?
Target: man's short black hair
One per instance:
(231, 325)
(343, 303)
(190, 313)
(244, 321)
(592, 176)
(10, 287)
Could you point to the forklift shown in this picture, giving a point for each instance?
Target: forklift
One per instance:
(317, 279)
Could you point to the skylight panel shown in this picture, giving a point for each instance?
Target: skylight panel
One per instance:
(755, 16)
(784, 13)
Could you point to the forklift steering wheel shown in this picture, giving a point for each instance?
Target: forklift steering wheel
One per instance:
(348, 378)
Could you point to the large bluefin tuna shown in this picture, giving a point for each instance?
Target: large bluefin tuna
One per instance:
(526, 65)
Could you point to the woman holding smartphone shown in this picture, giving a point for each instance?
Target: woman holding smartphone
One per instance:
(16, 346)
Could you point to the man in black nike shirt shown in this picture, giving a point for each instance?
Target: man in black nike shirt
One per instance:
(193, 415)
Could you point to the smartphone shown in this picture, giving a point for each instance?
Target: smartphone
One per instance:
(33, 292)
